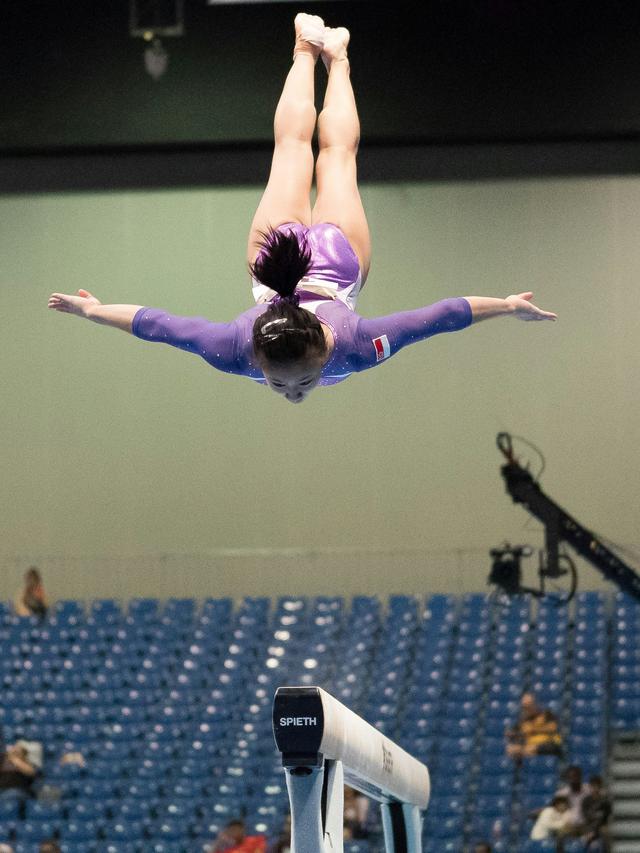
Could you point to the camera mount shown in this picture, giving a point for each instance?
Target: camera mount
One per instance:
(561, 527)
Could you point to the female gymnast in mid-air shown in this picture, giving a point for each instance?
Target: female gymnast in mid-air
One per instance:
(307, 265)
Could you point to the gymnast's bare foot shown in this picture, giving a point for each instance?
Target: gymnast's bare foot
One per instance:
(336, 40)
(309, 34)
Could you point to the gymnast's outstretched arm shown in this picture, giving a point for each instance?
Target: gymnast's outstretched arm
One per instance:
(380, 337)
(518, 305)
(84, 304)
(219, 344)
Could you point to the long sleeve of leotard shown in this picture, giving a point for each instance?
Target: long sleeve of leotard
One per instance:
(222, 345)
(379, 338)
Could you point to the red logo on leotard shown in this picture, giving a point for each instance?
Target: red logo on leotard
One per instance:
(383, 350)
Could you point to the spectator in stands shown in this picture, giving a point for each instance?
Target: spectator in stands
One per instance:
(535, 733)
(17, 768)
(50, 846)
(482, 847)
(553, 821)
(6, 848)
(596, 810)
(356, 809)
(282, 844)
(575, 791)
(31, 600)
(233, 839)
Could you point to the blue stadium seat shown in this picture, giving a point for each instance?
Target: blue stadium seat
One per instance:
(41, 810)
(539, 847)
(457, 764)
(590, 601)
(33, 831)
(443, 845)
(148, 606)
(104, 610)
(453, 746)
(449, 786)
(125, 831)
(171, 829)
(467, 709)
(10, 805)
(494, 727)
(504, 692)
(496, 765)
(80, 847)
(484, 826)
(539, 765)
(26, 847)
(625, 671)
(440, 605)
(497, 785)
(80, 831)
(492, 805)
(66, 608)
(446, 805)
(493, 745)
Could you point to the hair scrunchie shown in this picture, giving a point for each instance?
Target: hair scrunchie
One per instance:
(291, 299)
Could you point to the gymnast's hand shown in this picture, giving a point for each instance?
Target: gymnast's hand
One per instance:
(79, 304)
(85, 304)
(524, 309)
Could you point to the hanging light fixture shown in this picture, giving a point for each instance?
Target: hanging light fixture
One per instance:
(153, 20)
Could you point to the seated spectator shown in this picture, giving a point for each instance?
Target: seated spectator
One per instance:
(31, 600)
(535, 733)
(596, 811)
(553, 821)
(6, 848)
(50, 846)
(482, 847)
(18, 768)
(282, 844)
(356, 809)
(575, 791)
(233, 839)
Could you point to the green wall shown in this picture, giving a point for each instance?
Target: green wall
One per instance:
(116, 452)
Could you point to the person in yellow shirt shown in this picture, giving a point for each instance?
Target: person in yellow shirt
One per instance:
(535, 733)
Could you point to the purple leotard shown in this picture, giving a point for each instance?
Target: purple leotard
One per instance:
(329, 291)
(359, 343)
(334, 272)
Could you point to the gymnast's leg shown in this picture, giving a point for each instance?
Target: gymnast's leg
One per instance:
(338, 200)
(286, 197)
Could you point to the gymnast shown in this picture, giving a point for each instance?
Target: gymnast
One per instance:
(307, 265)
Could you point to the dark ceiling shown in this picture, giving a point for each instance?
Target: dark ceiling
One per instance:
(476, 83)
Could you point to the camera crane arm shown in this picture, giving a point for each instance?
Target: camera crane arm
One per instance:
(560, 526)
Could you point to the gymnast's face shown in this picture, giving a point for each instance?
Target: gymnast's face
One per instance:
(294, 381)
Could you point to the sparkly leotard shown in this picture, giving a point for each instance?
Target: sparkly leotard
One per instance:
(329, 291)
